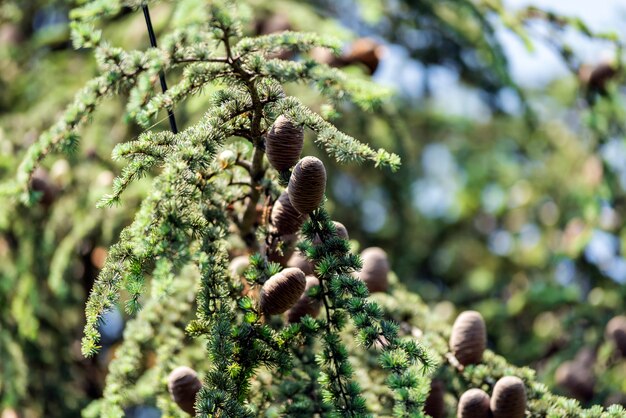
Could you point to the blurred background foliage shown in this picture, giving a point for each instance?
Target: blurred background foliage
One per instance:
(513, 207)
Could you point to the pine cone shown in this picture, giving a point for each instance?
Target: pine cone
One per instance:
(435, 405)
(303, 263)
(469, 338)
(342, 232)
(283, 144)
(183, 385)
(375, 269)
(282, 291)
(616, 331)
(282, 249)
(509, 398)
(285, 218)
(305, 305)
(307, 185)
(577, 376)
(365, 51)
(474, 403)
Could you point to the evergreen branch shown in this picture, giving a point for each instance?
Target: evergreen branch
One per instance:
(272, 43)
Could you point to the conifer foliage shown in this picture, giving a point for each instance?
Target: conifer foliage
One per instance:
(214, 181)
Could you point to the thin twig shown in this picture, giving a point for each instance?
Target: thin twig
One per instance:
(153, 43)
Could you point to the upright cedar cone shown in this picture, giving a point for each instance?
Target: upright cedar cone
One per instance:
(375, 269)
(434, 404)
(303, 263)
(282, 291)
(305, 305)
(342, 232)
(474, 403)
(365, 51)
(307, 185)
(616, 332)
(283, 144)
(285, 218)
(509, 398)
(577, 376)
(469, 338)
(183, 385)
(282, 248)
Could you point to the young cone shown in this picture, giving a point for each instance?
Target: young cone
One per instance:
(474, 403)
(469, 338)
(509, 398)
(283, 144)
(616, 331)
(300, 261)
(307, 185)
(375, 269)
(285, 218)
(305, 305)
(342, 232)
(282, 291)
(183, 385)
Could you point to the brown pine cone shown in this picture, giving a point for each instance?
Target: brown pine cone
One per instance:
(285, 218)
(307, 185)
(435, 405)
(474, 403)
(305, 305)
(183, 385)
(283, 144)
(282, 291)
(616, 332)
(469, 338)
(303, 263)
(375, 269)
(342, 232)
(509, 398)
(365, 51)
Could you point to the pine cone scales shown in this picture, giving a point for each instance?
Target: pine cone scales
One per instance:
(307, 185)
(305, 305)
(469, 338)
(283, 144)
(285, 218)
(282, 291)
(474, 403)
(509, 398)
(183, 385)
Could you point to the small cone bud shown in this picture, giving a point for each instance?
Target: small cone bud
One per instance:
(285, 218)
(300, 261)
(283, 144)
(469, 338)
(509, 398)
(435, 405)
(616, 332)
(282, 291)
(305, 305)
(474, 403)
(375, 269)
(307, 185)
(183, 385)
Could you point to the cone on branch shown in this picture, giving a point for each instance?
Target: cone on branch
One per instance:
(474, 403)
(375, 269)
(577, 376)
(307, 185)
(305, 305)
(183, 385)
(434, 404)
(468, 339)
(283, 144)
(365, 51)
(282, 291)
(303, 263)
(342, 232)
(285, 219)
(616, 332)
(508, 399)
